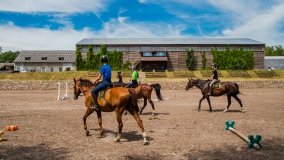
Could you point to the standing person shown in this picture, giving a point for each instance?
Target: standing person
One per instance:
(134, 78)
(105, 73)
(213, 78)
(119, 76)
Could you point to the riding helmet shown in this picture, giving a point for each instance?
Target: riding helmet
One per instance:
(214, 65)
(104, 59)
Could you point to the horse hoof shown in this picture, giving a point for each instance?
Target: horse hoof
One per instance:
(225, 111)
(87, 133)
(116, 140)
(146, 143)
(243, 111)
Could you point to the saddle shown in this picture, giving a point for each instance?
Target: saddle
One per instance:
(217, 85)
(102, 92)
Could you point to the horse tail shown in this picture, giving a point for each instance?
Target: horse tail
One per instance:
(237, 89)
(157, 88)
(133, 99)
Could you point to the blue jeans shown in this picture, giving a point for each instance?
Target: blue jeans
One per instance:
(100, 87)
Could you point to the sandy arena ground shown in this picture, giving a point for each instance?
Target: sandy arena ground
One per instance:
(51, 129)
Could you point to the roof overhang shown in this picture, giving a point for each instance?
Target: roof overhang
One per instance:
(154, 59)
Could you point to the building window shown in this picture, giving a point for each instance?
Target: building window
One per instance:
(147, 54)
(60, 69)
(27, 58)
(51, 69)
(61, 58)
(154, 54)
(160, 54)
(43, 58)
(43, 69)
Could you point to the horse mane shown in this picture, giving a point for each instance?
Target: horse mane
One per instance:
(86, 82)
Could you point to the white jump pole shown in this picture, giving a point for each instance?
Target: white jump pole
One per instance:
(58, 91)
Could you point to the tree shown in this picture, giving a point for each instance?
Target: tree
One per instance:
(204, 60)
(274, 50)
(90, 61)
(78, 59)
(190, 59)
(8, 57)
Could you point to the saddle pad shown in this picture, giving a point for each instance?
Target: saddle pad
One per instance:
(217, 85)
(102, 94)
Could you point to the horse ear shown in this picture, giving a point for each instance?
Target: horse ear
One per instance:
(74, 80)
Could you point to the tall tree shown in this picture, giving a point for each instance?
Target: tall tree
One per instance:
(190, 59)
(90, 61)
(8, 57)
(78, 59)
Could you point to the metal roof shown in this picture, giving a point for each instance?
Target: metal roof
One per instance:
(46, 56)
(168, 41)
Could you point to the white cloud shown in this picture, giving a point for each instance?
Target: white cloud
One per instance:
(16, 38)
(68, 6)
(265, 27)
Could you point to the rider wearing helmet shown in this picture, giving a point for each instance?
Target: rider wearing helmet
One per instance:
(119, 76)
(105, 74)
(134, 78)
(213, 78)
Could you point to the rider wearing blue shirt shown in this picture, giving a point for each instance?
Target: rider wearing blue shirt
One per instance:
(105, 73)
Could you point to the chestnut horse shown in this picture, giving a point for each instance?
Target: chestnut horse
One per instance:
(144, 91)
(116, 99)
(228, 88)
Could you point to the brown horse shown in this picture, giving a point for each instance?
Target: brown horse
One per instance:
(228, 88)
(145, 91)
(116, 99)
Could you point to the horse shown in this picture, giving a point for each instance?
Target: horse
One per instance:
(144, 91)
(116, 99)
(228, 88)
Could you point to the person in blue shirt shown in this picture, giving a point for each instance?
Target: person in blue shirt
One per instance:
(105, 74)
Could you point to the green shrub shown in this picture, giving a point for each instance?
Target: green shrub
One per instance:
(233, 59)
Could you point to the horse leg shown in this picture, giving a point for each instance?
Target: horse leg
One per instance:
(200, 103)
(208, 100)
(145, 103)
(240, 102)
(120, 124)
(229, 103)
(88, 112)
(140, 124)
(99, 115)
(153, 106)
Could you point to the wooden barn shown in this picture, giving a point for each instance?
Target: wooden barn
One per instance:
(170, 53)
(45, 60)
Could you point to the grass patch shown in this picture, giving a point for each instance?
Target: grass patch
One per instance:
(183, 74)
(266, 73)
(239, 73)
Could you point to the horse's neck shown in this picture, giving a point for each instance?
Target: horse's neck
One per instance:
(200, 84)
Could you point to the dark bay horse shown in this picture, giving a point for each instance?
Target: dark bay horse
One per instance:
(116, 99)
(228, 88)
(145, 91)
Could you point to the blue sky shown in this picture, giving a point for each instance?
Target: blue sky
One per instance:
(49, 24)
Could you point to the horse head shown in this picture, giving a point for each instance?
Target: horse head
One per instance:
(190, 84)
(77, 88)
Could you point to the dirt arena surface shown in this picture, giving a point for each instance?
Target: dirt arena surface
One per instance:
(51, 129)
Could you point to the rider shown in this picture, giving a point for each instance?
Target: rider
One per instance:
(213, 78)
(105, 73)
(134, 78)
(119, 76)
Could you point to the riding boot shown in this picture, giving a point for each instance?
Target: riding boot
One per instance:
(96, 104)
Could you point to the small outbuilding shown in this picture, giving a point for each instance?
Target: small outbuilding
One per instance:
(45, 60)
